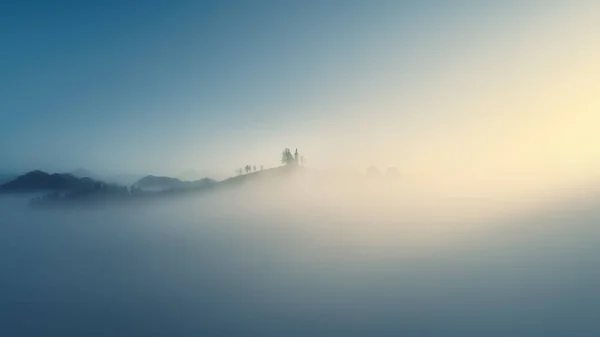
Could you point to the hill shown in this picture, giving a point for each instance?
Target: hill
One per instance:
(40, 181)
(152, 183)
(160, 184)
(124, 179)
(285, 179)
(84, 173)
(189, 175)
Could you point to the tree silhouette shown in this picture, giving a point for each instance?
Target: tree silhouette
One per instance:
(286, 157)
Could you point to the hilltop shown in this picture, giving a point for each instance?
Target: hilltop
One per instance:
(152, 183)
(290, 180)
(42, 181)
(85, 173)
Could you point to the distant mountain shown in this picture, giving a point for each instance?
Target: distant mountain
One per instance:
(125, 179)
(39, 180)
(156, 184)
(204, 182)
(86, 190)
(84, 173)
(189, 175)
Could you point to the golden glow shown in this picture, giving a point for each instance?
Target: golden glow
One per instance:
(510, 122)
(516, 119)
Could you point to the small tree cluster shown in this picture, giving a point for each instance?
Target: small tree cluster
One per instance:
(287, 158)
(247, 169)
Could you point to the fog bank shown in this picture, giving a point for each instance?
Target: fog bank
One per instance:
(258, 262)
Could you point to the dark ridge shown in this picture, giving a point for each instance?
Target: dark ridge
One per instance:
(38, 181)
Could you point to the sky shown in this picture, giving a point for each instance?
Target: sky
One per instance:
(493, 94)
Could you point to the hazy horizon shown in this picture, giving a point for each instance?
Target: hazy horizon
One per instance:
(488, 110)
(319, 262)
(504, 91)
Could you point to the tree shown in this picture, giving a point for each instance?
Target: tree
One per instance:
(286, 157)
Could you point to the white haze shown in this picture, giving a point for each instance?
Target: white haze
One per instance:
(301, 256)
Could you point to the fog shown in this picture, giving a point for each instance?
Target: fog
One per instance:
(295, 258)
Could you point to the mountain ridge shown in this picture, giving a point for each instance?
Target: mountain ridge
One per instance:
(39, 181)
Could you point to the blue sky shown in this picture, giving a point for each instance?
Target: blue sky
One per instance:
(167, 86)
(120, 84)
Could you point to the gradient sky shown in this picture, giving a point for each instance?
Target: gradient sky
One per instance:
(428, 86)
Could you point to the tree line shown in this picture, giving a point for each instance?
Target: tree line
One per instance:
(287, 158)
